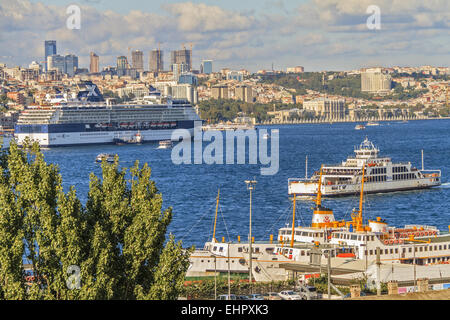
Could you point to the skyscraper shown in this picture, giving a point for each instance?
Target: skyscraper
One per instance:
(50, 49)
(70, 64)
(94, 65)
(206, 67)
(122, 65)
(156, 62)
(137, 60)
(56, 62)
(181, 56)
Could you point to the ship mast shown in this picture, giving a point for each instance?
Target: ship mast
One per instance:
(293, 223)
(359, 223)
(319, 191)
(215, 219)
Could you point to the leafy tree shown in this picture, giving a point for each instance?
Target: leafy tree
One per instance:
(113, 248)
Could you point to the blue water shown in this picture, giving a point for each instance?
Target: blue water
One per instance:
(191, 189)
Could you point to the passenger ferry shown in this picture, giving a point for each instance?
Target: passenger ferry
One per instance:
(413, 243)
(382, 174)
(344, 241)
(86, 118)
(360, 127)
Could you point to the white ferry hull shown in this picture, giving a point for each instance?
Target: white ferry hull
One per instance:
(48, 140)
(310, 188)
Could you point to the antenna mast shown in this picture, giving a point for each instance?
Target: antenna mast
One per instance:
(215, 219)
(293, 222)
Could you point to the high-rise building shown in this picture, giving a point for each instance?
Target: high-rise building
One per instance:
(156, 62)
(122, 65)
(185, 91)
(206, 67)
(374, 80)
(57, 63)
(50, 49)
(94, 65)
(219, 92)
(181, 56)
(137, 60)
(70, 64)
(244, 93)
(178, 69)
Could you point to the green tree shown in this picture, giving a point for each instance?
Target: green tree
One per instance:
(117, 241)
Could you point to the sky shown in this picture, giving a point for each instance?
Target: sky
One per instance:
(251, 34)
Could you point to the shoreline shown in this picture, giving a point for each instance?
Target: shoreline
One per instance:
(345, 121)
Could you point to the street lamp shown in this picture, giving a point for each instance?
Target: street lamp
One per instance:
(250, 186)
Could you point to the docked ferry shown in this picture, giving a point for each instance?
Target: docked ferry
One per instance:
(411, 244)
(86, 119)
(382, 175)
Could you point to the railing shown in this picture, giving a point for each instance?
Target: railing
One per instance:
(431, 173)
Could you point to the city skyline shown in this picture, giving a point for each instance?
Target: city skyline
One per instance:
(327, 35)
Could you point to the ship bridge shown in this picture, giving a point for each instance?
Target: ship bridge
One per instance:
(366, 150)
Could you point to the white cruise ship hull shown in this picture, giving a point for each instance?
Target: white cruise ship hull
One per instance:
(304, 188)
(48, 140)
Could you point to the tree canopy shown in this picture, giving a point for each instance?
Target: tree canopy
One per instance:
(114, 247)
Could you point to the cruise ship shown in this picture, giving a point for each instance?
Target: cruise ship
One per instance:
(382, 175)
(86, 118)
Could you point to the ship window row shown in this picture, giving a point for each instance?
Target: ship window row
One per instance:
(376, 179)
(347, 236)
(254, 249)
(404, 176)
(399, 169)
(379, 171)
(404, 250)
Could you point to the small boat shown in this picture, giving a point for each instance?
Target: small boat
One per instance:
(360, 127)
(372, 124)
(105, 156)
(165, 144)
(136, 139)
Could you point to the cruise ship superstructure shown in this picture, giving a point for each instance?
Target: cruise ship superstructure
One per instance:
(88, 119)
(382, 175)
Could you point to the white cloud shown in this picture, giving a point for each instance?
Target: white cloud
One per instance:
(323, 31)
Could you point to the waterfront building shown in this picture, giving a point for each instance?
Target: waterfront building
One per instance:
(374, 80)
(94, 63)
(326, 108)
(137, 60)
(50, 49)
(206, 67)
(156, 62)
